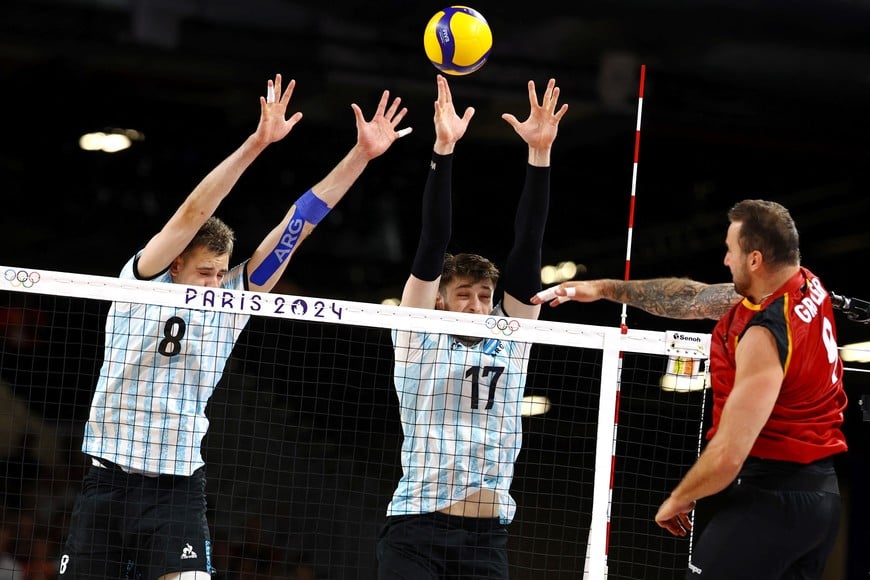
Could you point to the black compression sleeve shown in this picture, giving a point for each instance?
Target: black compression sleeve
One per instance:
(522, 272)
(437, 227)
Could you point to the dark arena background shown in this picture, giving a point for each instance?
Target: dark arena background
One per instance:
(764, 99)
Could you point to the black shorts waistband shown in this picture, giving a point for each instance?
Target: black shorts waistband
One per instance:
(477, 525)
(109, 466)
(106, 464)
(787, 476)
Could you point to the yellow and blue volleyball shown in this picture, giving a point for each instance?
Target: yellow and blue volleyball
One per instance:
(457, 40)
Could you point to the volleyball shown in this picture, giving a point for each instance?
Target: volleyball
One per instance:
(457, 40)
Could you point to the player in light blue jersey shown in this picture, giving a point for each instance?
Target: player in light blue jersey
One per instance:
(142, 510)
(460, 397)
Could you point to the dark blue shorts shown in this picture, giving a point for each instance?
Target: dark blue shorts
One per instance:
(136, 527)
(437, 546)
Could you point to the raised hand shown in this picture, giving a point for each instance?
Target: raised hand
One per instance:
(540, 128)
(375, 136)
(449, 127)
(274, 125)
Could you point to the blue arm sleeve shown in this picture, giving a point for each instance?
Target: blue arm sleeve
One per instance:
(437, 226)
(308, 208)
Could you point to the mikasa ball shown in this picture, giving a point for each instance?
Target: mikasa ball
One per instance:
(457, 40)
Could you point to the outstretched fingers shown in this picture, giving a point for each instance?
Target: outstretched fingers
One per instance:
(551, 100)
(512, 120)
(551, 94)
(274, 89)
(394, 114)
(358, 115)
(397, 118)
(288, 92)
(377, 134)
(382, 104)
(273, 125)
(533, 95)
(444, 94)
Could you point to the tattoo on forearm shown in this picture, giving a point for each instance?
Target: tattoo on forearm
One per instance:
(674, 297)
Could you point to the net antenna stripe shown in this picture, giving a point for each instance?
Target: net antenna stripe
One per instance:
(640, 92)
(623, 325)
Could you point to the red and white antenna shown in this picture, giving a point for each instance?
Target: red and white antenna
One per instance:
(615, 401)
(633, 189)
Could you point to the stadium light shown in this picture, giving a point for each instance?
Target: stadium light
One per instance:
(855, 352)
(535, 405)
(553, 274)
(110, 141)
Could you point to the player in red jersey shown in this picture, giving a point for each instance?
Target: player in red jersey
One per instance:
(778, 402)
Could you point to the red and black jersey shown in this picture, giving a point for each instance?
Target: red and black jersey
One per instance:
(805, 424)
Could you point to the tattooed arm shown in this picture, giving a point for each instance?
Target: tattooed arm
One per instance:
(667, 297)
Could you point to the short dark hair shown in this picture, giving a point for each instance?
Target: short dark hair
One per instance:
(471, 266)
(214, 235)
(769, 228)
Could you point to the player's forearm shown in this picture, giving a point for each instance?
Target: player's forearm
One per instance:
(522, 271)
(672, 297)
(215, 186)
(437, 219)
(338, 181)
(716, 468)
(444, 147)
(539, 156)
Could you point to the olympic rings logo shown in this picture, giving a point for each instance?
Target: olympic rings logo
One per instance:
(22, 278)
(502, 325)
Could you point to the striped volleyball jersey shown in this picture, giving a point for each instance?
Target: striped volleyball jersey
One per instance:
(460, 408)
(805, 423)
(160, 368)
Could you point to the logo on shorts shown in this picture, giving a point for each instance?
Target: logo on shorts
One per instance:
(187, 553)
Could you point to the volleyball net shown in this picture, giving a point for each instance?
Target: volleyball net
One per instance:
(303, 448)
